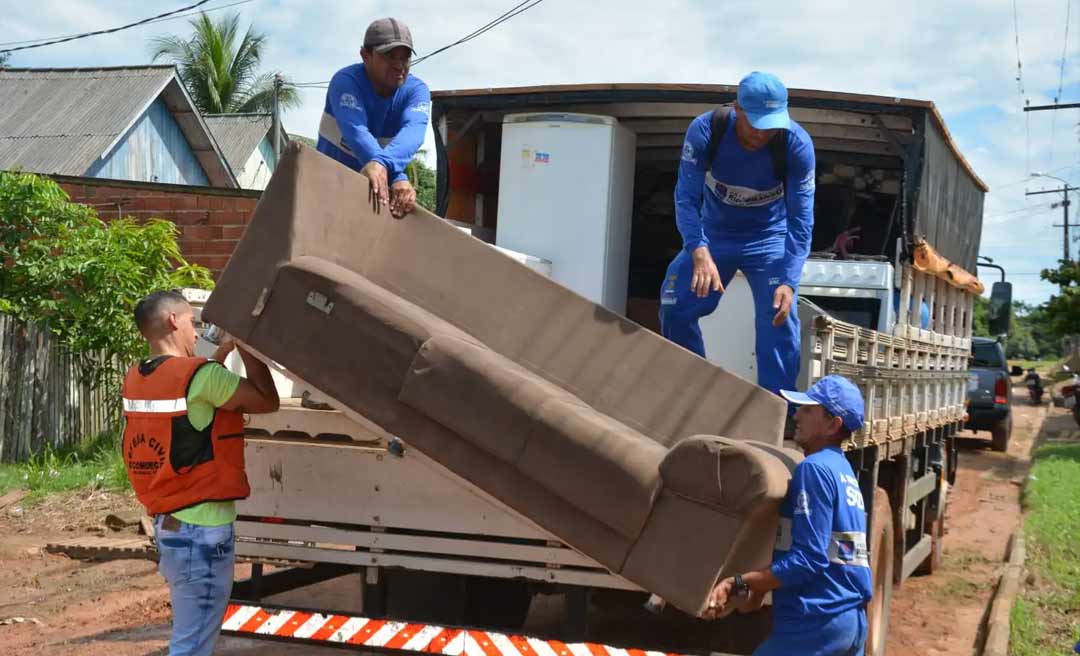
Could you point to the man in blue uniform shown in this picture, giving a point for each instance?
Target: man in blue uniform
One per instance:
(744, 201)
(376, 115)
(820, 574)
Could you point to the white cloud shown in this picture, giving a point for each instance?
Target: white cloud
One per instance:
(960, 54)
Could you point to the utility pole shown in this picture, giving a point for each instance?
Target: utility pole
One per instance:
(1065, 208)
(1043, 108)
(275, 121)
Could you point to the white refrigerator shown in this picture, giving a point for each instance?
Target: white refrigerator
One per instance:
(566, 194)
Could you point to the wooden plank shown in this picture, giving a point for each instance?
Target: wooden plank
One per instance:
(417, 544)
(102, 549)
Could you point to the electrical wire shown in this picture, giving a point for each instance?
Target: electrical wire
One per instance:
(1061, 78)
(516, 10)
(84, 35)
(156, 20)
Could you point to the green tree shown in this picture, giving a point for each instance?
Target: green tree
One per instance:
(422, 178)
(79, 276)
(1062, 311)
(220, 68)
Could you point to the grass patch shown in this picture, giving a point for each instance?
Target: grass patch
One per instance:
(965, 558)
(95, 463)
(1040, 365)
(1045, 619)
(956, 588)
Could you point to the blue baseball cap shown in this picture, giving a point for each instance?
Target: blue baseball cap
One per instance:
(838, 395)
(763, 98)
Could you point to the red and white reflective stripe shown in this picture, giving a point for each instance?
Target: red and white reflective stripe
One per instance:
(256, 621)
(155, 406)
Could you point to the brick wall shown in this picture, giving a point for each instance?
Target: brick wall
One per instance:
(211, 220)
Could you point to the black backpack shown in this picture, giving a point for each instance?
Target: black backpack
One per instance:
(718, 125)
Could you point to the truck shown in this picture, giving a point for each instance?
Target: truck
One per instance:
(335, 493)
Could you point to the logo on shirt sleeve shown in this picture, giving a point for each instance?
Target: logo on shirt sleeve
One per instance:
(688, 154)
(808, 183)
(422, 107)
(348, 100)
(802, 504)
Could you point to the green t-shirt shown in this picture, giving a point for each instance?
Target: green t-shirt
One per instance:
(211, 387)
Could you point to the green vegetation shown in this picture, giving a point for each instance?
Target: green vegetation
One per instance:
(1044, 619)
(79, 276)
(220, 68)
(95, 464)
(1063, 308)
(423, 180)
(1031, 337)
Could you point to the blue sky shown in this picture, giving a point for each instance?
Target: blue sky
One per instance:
(961, 54)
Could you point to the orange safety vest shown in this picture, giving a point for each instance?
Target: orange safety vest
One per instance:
(171, 465)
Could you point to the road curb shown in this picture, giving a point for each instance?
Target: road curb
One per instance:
(997, 635)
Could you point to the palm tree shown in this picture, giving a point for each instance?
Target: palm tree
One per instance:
(221, 76)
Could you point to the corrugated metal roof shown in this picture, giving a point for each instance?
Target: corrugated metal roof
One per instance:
(61, 120)
(238, 135)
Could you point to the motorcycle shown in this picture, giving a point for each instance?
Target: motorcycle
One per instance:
(1035, 388)
(1071, 392)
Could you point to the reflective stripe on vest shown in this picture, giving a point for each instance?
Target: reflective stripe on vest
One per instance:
(329, 130)
(160, 406)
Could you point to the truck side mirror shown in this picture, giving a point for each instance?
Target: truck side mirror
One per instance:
(1000, 308)
(1017, 370)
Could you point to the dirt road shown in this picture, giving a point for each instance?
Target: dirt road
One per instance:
(940, 615)
(121, 608)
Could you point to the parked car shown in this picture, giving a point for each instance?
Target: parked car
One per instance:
(990, 392)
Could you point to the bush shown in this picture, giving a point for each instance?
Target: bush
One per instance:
(79, 276)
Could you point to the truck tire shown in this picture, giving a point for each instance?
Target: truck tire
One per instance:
(1000, 433)
(881, 567)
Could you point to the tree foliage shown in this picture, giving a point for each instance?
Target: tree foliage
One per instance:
(1063, 308)
(79, 276)
(220, 68)
(422, 178)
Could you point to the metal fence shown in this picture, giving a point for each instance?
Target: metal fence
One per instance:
(46, 399)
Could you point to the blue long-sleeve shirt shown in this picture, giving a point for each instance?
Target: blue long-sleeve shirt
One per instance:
(821, 557)
(737, 198)
(360, 126)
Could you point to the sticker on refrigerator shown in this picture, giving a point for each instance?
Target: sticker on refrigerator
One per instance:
(542, 157)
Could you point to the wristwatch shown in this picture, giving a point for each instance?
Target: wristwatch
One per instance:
(740, 588)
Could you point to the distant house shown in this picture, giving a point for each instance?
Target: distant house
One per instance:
(248, 143)
(123, 123)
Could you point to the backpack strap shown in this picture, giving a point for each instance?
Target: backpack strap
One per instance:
(718, 125)
(778, 148)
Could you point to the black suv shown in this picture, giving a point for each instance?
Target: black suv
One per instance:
(990, 392)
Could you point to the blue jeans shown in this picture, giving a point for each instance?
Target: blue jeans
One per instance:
(197, 561)
(840, 635)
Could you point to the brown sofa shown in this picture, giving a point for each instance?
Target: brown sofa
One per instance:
(596, 429)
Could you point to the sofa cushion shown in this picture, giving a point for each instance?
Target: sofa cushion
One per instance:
(450, 374)
(598, 464)
(730, 475)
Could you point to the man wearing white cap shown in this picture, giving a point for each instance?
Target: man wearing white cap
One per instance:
(820, 573)
(744, 201)
(376, 115)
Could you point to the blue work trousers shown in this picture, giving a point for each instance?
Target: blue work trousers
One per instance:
(762, 263)
(840, 635)
(197, 561)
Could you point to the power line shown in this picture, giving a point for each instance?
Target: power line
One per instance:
(516, 10)
(1019, 66)
(111, 30)
(1061, 78)
(155, 20)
